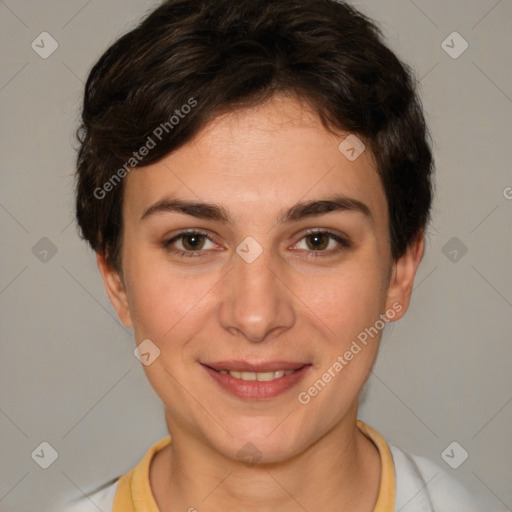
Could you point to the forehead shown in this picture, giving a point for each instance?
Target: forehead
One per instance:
(257, 161)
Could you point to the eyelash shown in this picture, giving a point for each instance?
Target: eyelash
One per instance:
(343, 243)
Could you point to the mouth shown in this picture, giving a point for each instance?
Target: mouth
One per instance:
(256, 381)
(259, 376)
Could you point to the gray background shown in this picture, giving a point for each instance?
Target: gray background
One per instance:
(67, 369)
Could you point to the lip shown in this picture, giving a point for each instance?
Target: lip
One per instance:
(245, 366)
(256, 390)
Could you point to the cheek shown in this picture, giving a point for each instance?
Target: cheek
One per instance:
(167, 307)
(168, 311)
(163, 307)
(350, 313)
(346, 300)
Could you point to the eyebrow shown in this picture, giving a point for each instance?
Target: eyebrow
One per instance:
(299, 211)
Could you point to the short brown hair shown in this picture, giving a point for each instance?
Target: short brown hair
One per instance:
(224, 55)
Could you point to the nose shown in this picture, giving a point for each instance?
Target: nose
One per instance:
(257, 305)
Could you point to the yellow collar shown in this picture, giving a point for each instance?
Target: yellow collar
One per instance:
(386, 497)
(134, 491)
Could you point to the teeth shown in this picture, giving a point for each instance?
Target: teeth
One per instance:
(259, 376)
(265, 376)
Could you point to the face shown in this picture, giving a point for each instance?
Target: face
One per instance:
(267, 277)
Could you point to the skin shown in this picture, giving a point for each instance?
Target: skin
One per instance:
(257, 163)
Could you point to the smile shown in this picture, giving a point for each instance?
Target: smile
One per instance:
(259, 376)
(256, 381)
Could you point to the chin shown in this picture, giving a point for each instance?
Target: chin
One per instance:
(265, 441)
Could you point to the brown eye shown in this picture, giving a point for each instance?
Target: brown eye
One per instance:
(319, 241)
(323, 243)
(193, 242)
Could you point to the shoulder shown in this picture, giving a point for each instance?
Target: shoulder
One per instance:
(424, 486)
(102, 499)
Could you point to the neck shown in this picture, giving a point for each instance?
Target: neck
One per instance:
(341, 470)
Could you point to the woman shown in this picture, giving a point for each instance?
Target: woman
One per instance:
(255, 178)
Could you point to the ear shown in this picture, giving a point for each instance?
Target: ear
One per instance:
(115, 289)
(402, 277)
